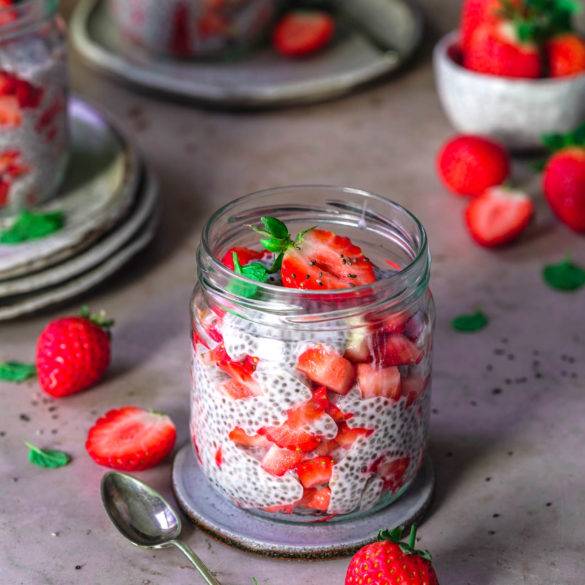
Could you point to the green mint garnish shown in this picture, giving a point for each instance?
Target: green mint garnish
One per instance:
(470, 323)
(16, 371)
(275, 235)
(32, 226)
(47, 458)
(565, 276)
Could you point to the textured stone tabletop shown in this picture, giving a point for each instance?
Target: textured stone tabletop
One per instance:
(508, 403)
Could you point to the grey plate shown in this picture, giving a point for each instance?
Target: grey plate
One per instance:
(99, 188)
(262, 78)
(216, 515)
(98, 252)
(20, 305)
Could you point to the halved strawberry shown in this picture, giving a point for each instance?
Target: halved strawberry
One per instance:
(301, 33)
(498, 216)
(347, 435)
(240, 437)
(245, 256)
(317, 471)
(131, 439)
(316, 499)
(378, 381)
(325, 366)
(278, 461)
(395, 350)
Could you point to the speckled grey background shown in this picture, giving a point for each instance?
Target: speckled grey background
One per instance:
(509, 403)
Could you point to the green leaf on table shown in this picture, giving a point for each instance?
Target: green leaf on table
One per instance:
(30, 226)
(16, 371)
(255, 581)
(565, 276)
(470, 323)
(47, 458)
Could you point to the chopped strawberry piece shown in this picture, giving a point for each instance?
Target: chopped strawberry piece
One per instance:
(327, 367)
(392, 472)
(316, 499)
(239, 370)
(337, 414)
(315, 471)
(278, 461)
(347, 435)
(239, 436)
(325, 448)
(302, 33)
(413, 387)
(357, 350)
(218, 457)
(245, 256)
(239, 391)
(377, 381)
(498, 216)
(280, 509)
(395, 350)
(8, 83)
(10, 113)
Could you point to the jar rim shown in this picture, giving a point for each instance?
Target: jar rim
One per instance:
(421, 254)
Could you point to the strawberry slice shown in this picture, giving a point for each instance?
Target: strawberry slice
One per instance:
(395, 350)
(498, 216)
(240, 437)
(325, 366)
(316, 499)
(315, 471)
(347, 435)
(131, 439)
(245, 256)
(302, 33)
(376, 381)
(278, 461)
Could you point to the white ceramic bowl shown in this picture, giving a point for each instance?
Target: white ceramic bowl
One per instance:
(517, 112)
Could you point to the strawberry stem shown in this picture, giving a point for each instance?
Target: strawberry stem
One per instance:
(100, 319)
(412, 536)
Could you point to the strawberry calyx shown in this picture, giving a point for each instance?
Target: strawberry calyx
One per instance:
(556, 142)
(397, 535)
(100, 319)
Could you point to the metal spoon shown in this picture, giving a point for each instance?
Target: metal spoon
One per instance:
(145, 518)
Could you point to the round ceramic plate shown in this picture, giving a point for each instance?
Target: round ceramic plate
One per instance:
(99, 188)
(20, 305)
(375, 38)
(216, 515)
(98, 252)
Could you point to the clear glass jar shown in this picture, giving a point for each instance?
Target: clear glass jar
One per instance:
(370, 436)
(33, 104)
(192, 28)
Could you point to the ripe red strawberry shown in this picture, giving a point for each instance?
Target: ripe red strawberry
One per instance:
(496, 49)
(378, 381)
(302, 33)
(239, 436)
(564, 186)
(325, 366)
(313, 472)
(476, 13)
(391, 562)
(73, 353)
(468, 164)
(131, 439)
(347, 435)
(278, 461)
(245, 256)
(394, 349)
(566, 55)
(316, 499)
(499, 216)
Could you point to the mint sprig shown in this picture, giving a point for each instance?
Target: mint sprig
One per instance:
(17, 372)
(564, 276)
(470, 323)
(30, 226)
(47, 458)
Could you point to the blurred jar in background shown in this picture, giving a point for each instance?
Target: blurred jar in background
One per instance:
(33, 103)
(192, 28)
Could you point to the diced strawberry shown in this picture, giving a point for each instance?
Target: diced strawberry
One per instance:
(357, 350)
(347, 435)
(239, 370)
(278, 461)
(315, 471)
(209, 321)
(198, 339)
(239, 391)
(28, 95)
(280, 509)
(337, 414)
(327, 367)
(413, 387)
(218, 457)
(377, 381)
(301, 33)
(392, 472)
(415, 326)
(245, 256)
(325, 448)
(8, 83)
(316, 499)
(239, 436)
(10, 114)
(395, 350)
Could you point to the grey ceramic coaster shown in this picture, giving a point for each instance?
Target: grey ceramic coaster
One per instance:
(376, 38)
(216, 515)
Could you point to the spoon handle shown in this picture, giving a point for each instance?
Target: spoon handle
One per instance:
(197, 563)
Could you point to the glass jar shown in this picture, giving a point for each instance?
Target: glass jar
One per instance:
(192, 28)
(355, 447)
(33, 104)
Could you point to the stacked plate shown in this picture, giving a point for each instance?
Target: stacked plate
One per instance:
(110, 204)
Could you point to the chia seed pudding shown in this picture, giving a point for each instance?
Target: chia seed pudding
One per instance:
(311, 379)
(192, 28)
(33, 104)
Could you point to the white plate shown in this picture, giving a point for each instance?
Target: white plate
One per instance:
(261, 78)
(100, 184)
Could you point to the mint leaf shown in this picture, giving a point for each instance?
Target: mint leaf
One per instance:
(255, 271)
(47, 458)
(275, 245)
(564, 276)
(30, 226)
(275, 227)
(16, 371)
(470, 323)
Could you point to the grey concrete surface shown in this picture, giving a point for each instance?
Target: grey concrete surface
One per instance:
(509, 402)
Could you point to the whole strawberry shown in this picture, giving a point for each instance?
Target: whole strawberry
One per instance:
(389, 561)
(73, 353)
(566, 55)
